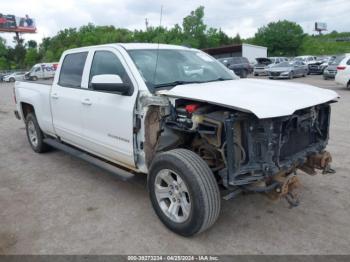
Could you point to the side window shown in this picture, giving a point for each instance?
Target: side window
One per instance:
(72, 70)
(105, 62)
(348, 62)
(37, 69)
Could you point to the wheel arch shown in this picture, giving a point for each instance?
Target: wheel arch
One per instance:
(27, 108)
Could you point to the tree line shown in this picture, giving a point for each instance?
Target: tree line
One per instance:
(283, 38)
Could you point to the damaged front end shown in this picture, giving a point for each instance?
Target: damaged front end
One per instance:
(275, 148)
(276, 144)
(244, 152)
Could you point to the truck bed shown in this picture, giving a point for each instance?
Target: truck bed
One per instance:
(37, 95)
(40, 81)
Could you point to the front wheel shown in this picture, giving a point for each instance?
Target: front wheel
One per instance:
(291, 75)
(183, 192)
(244, 74)
(12, 79)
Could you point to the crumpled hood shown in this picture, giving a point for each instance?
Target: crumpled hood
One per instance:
(264, 98)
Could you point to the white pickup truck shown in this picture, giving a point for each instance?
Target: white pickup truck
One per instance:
(179, 116)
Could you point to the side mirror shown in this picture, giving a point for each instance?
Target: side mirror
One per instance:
(112, 84)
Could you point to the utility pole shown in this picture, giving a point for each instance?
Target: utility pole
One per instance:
(146, 22)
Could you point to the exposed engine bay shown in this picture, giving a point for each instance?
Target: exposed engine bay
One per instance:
(259, 155)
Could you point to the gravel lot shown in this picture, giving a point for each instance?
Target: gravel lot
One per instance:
(55, 204)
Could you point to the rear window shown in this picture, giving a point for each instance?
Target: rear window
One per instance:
(244, 60)
(236, 60)
(72, 70)
(337, 60)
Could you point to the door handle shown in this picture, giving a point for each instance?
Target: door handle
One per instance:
(54, 96)
(86, 102)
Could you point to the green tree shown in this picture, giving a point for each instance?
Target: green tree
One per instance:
(281, 38)
(32, 57)
(32, 44)
(3, 54)
(237, 39)
(194, 28)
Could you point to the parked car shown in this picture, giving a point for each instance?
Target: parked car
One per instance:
(131, 108)
(41, 71)
(307, 59)
(343, 72)
(287, 70)
(14, 77)
(320, 65)
(239, 65)
(2, 77)
(263, 64)
(331, 70)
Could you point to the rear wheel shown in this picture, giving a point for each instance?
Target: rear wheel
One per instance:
(35, 135)
(183, 192)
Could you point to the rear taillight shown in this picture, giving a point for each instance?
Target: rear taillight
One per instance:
(14, 95)
(341, 67)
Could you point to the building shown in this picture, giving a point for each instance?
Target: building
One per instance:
(249, 51)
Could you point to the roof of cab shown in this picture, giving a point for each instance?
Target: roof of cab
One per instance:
(133, 46)
(130, 46)
(127, 46)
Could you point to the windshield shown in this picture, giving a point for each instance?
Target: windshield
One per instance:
(337, 60)
(283, 64)
(176, 67)
(299, 59)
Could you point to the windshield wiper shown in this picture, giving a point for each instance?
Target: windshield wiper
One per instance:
(176, 83)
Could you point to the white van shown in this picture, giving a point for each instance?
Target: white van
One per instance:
(42, 71)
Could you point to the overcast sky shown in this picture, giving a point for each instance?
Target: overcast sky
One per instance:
(232, 16)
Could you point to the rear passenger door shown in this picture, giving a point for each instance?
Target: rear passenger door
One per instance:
(108, 118)
(66, 99)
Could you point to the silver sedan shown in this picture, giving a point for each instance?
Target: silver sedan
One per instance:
(287, 70)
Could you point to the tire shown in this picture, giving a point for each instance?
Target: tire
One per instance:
(291, 75)
(255, 74)
(348, 85)
(200, 192)
(34, 78)
(35, 135)
(12, 79)
(244, 74)
(325, 78)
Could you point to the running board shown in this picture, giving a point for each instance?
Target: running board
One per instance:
(120, 173)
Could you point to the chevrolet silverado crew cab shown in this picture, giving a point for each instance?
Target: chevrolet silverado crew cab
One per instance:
(191, 125)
